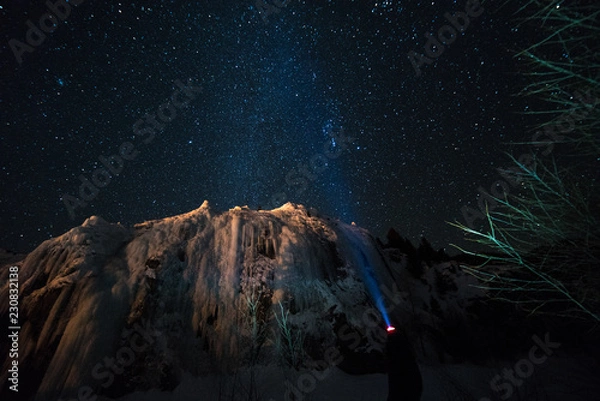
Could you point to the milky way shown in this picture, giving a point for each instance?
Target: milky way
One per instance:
(316, 103)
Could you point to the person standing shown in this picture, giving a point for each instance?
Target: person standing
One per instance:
(404, 377)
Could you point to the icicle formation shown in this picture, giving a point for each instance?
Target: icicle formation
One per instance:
(200, 291)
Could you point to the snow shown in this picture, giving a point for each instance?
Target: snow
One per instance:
(441, 382)
(188, 280)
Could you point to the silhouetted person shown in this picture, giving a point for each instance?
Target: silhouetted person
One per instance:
(404, 378)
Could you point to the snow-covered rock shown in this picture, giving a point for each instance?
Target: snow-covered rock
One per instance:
(108, 310)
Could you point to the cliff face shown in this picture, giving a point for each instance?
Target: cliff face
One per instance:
(107, 309)
(195, 292)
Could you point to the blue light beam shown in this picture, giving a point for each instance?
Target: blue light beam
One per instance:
(371, 283)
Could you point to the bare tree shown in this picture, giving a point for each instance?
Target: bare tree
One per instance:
(289, 340)
(544, 241)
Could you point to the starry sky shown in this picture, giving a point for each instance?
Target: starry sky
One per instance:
(247, 103)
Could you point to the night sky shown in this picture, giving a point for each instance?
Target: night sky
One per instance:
(317, 103)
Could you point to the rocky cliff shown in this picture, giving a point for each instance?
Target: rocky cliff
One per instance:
(106, 309)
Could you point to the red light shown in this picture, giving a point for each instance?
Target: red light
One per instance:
(391, 329)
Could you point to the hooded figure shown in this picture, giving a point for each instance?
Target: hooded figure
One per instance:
(404, 378)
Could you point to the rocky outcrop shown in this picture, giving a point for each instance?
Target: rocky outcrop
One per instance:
(107, 309)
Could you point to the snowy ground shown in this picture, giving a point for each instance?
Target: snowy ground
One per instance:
(559, 379)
